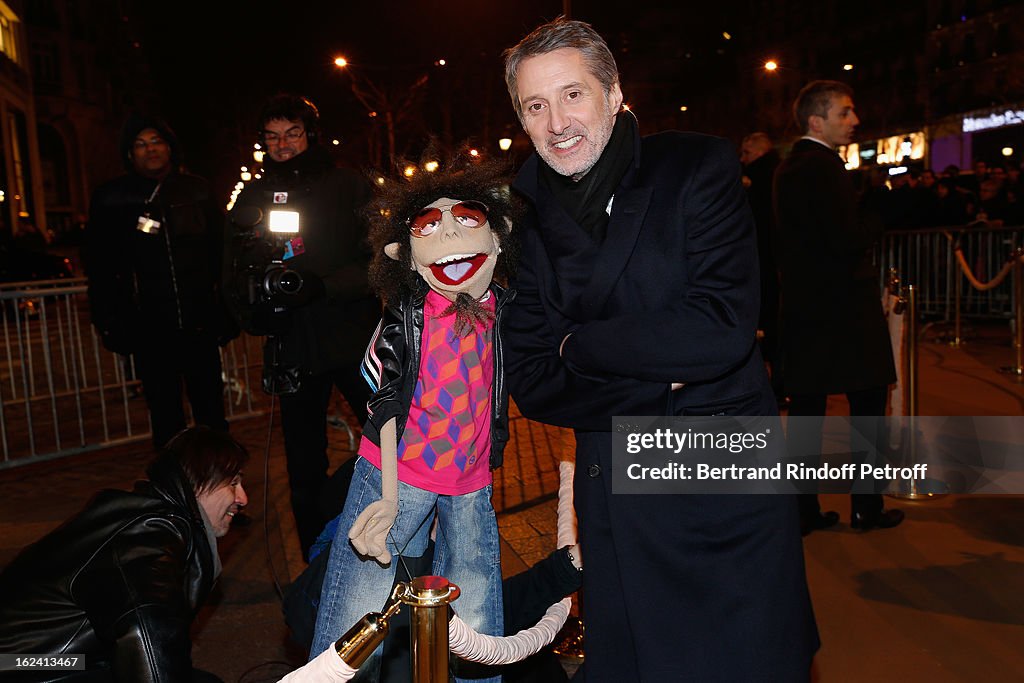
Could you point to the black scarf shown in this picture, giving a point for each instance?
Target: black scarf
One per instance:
(586, 199)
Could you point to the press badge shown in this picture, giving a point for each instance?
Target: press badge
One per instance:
(280, 197)
(148, 225)
(292, 248)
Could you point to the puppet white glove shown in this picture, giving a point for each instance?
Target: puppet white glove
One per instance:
(369, 533)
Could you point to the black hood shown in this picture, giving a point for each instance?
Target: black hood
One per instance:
(139, 122)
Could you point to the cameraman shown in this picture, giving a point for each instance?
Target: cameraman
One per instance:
(317, 331)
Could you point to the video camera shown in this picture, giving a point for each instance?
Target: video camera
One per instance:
(267, 241)
(264, 284)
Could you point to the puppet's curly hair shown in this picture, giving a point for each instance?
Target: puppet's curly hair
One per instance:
(396, 200)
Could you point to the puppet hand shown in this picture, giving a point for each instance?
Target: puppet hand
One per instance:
(369, 533)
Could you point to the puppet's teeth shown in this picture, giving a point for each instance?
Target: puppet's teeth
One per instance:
(453, 257)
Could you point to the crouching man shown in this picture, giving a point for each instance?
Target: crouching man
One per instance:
(120, 583)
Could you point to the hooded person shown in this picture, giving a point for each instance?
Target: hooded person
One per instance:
(153, 257)
(439, 414)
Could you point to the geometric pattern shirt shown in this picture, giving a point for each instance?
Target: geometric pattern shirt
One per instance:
(446, 445)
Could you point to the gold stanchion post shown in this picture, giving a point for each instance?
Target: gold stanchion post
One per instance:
(429, 597)
(934, 488)
(957, 339)
(362, 639)
(1017, 370)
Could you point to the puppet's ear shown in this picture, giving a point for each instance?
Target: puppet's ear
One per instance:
(392, 250)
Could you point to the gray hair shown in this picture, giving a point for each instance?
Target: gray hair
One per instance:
(555, 35)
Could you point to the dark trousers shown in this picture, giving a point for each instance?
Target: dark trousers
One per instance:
(864, 403)
(304, 424)
(163, 362)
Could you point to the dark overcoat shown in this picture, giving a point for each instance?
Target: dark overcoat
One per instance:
(677, 587)
(834, 335)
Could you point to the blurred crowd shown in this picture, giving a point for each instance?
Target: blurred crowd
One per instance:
(987, 195)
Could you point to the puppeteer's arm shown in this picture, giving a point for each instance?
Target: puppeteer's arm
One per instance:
(710, 327)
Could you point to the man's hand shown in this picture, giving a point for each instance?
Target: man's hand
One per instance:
(369, 533)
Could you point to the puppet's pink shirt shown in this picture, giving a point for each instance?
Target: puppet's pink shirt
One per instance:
(446, 445)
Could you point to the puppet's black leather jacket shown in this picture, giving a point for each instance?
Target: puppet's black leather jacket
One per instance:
(395, 352)
(119, 583)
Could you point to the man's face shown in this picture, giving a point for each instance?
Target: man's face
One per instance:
(566, 112)
(837, 127)
(151, 154)
(459, 255)
(927, 179)
(222, 502)
(285, 139)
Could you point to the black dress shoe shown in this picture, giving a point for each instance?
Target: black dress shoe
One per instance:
(822, 520)
(886, 519)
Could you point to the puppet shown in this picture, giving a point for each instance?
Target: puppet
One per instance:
(439, 415)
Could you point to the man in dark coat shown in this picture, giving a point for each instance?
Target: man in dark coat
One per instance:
(153, 256)
(119, 584)
(637, 295)
(317, 335)
(835, 339)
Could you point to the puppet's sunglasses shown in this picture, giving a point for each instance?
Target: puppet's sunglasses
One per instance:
(468, 214)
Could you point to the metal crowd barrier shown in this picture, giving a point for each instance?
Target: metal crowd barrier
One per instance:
(61, 392)
(926, 257)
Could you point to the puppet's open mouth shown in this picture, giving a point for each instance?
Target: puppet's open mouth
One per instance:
(455, 269)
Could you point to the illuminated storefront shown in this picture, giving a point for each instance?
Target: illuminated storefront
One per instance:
(894, 152)
(993, 135)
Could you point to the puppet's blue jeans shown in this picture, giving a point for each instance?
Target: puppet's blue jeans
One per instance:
(466, 552)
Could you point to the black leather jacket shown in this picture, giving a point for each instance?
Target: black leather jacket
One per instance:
(392, 365)
(118, 583)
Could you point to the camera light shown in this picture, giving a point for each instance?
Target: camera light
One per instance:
(283, 221)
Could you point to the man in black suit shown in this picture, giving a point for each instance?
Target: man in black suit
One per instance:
(834, 335)
(638, 295)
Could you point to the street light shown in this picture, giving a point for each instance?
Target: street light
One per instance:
(393, 103)
(505, 144)
(771, 65)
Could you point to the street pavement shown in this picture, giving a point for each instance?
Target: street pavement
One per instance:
(939, 598)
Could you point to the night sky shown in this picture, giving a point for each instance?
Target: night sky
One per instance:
(214, 63)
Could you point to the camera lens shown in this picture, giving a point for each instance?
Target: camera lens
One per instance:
(282, 281)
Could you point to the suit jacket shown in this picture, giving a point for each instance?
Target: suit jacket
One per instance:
(833, 330)
(679, 587)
